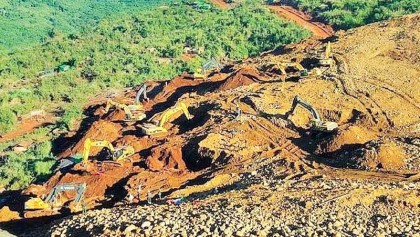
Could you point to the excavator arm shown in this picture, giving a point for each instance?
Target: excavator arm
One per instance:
(142, 91)
(89, 143)
(298, 101)
(117, 154)
(328, 50)
(171, 111)
(155, 128)
(317, 124)
(326, 59)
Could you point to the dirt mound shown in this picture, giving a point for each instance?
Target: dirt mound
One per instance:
(166, 159)
(7, 215)
(386, 156)
(346, 139)
(116, 115)
(241, 77)
(100, 130)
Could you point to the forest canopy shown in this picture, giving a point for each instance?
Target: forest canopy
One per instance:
(67, 69)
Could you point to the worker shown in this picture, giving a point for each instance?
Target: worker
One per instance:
(149, 197)
(238, 113)
(139, 191)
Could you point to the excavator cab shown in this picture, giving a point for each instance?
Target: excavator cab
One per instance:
(317, 123)
(158, 126)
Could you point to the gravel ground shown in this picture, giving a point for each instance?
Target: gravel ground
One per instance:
(261, 203)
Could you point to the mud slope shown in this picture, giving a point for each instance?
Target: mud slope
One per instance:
(371, 91)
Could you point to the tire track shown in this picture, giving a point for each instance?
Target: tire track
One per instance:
(394, 90)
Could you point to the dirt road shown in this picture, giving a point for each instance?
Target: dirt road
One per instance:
(220, 3)
(27, 126)
(319, 30)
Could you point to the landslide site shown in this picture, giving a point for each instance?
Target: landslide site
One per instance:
(261, 174)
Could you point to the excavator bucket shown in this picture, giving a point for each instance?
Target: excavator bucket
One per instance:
(36, 204)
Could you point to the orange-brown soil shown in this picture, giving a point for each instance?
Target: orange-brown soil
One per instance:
(373, 98)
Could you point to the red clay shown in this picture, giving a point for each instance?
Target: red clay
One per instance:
(318, 29)
(242, 77)
(27, 126)
(220, 3)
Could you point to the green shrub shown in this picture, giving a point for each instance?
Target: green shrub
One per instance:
(70, 116)
(7, 120)
(346, 14)
(19, 170)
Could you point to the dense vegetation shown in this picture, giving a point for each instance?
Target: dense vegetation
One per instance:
(346, 14)
(116, 53)
(26, 22)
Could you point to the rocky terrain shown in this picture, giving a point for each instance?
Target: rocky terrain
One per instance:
(260, 174)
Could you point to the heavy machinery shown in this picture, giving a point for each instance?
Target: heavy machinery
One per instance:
(284, 65)
(142, 91)
(133, 112)
(317, 123)
(200, 72)
(118, 155)
(51, 202)
(157, 127)
(326, 59)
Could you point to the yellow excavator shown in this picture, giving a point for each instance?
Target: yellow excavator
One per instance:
(133, 112)
(317, 123)
(284, 65)
(118, 155)
(200, 72)
(157, 126)
(51, 202)
(326, 59)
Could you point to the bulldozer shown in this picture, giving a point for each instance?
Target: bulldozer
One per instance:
(133, 112)
(317, 123)
(51, 203)
(157, 127)
(284, 65)
(200, 72)
(326, 59)
(118, 155)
